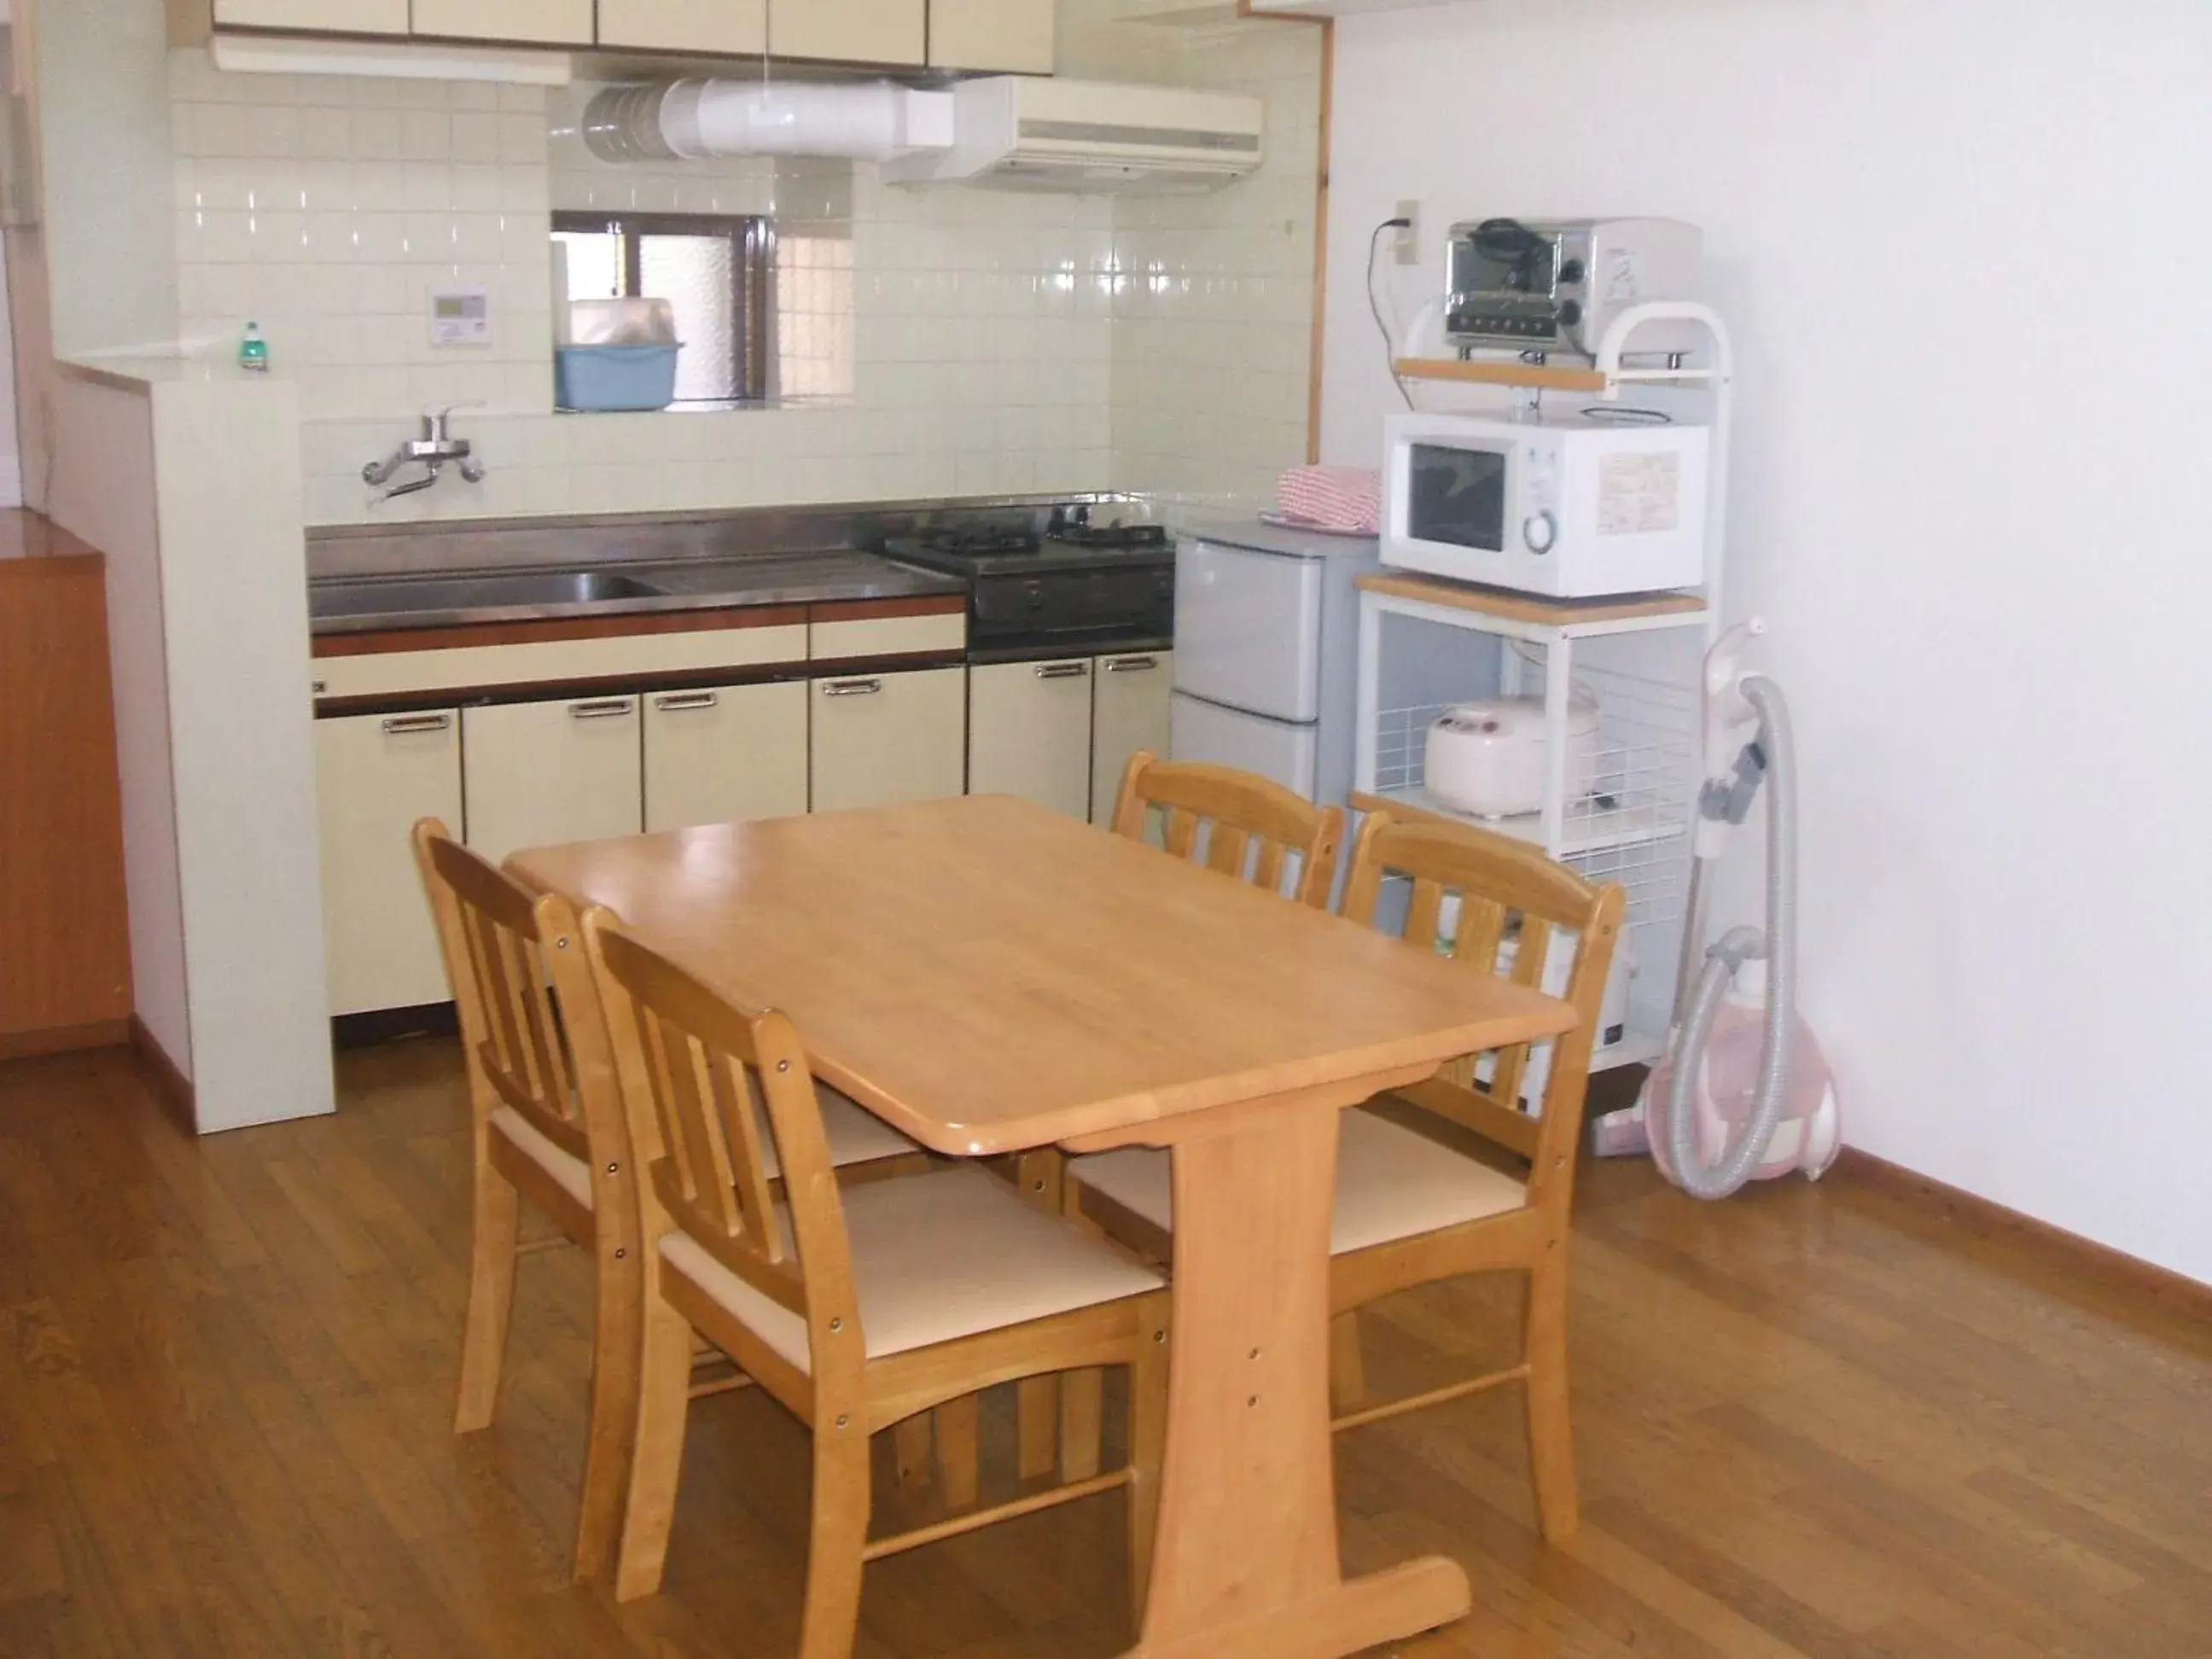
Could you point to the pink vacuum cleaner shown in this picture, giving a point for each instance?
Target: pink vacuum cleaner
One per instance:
(1743, 1092)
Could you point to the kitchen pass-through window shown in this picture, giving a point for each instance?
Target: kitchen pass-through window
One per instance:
(717, 275)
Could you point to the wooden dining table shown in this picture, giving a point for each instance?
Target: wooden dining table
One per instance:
(989, 976)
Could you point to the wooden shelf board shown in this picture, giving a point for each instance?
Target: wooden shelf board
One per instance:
(1528, 607)
(1484, 372)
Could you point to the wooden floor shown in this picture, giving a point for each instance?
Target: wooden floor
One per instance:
(1810, 1421)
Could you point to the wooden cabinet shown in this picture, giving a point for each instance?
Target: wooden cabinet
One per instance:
(724, 755)
(543, 772)
(64, 943)
(323, 16)
(882, 738)
(1029, 732)
(1011, 36)
(849, 31)
(553, 22)
(1130, 712)
(375, 775)
(738, 28)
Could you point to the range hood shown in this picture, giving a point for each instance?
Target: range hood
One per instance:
(1024, 132)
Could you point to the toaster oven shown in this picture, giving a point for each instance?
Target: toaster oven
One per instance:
(1552, 285)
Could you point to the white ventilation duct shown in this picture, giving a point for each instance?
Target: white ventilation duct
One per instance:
(697, 121)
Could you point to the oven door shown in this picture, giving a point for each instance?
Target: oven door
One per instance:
(1452, 493)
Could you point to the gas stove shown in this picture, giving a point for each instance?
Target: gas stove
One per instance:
(1066, 544)
(1074, 587)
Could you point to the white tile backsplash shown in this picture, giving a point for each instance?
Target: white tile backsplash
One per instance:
(956, 341)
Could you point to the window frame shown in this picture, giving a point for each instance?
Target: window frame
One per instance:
(752, 264)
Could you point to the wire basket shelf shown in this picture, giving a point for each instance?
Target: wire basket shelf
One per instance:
(1642, 789)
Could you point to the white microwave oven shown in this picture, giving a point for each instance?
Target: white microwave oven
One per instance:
(1572, 505)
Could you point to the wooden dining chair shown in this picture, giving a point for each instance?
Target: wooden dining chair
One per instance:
(548, 1126)
(1238, 822)
(1411, 1207)
(857, 1308)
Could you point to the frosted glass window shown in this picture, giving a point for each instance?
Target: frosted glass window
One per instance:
(814, 333)
(595, 264)
(717, 275)
(697, 276)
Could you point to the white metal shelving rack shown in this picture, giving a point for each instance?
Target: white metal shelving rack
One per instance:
(1425, 644)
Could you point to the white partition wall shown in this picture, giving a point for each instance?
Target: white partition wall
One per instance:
(188, 479)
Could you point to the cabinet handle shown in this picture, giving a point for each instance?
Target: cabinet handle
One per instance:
(602, 709)
(1131, 665)
(398, 725)
(851, 688)
(675, 699)
(1062, 671)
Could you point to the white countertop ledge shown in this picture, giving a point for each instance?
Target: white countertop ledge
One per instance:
(129, 373)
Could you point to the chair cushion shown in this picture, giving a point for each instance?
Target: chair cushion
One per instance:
(1392, 1182)
(935, 1257)
(531, 1142)
(855, 1134)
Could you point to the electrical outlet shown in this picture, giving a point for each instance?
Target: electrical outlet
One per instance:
(1409, 233)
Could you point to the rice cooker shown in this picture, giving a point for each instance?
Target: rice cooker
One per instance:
(1487, 759)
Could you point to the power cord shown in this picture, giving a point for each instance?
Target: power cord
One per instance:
(1375, 305)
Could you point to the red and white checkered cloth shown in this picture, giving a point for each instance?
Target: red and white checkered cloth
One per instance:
(1342, 498)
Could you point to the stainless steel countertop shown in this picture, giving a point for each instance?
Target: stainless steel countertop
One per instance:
(515, 593)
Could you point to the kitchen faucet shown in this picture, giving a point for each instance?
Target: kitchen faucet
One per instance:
(431, 450)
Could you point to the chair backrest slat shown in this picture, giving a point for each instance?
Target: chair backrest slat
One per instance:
(1253, 827)
(1497, 881)
(709, 1087)
(496, 937)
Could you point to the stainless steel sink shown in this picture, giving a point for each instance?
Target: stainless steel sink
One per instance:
(519, 590)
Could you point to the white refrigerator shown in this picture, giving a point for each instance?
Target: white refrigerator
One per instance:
(1266, 636)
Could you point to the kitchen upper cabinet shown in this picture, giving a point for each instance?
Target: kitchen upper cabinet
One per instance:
(1029, 732)
(724, 755)
(544, 772)
(1011, 36)
(553, 22)
(1131, 709)
(738, 28)
(376, 775)
(324, 16)
(851, 31)
(879, 739)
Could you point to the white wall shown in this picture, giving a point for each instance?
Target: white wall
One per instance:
(11, 464)
(1213, 292)
(234, 611)
(992, 341)
(1959, 245)
(102, 74)
(103, 491)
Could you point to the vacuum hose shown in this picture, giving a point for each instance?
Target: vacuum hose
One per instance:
(1778, 944)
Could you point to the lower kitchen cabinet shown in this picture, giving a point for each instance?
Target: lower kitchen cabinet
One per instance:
(539, 773)
(1029, 732)
(376, 775)
(726, 754)
(879, 739)
(1131, 708)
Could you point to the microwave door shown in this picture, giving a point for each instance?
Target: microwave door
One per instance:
(1456, 496)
